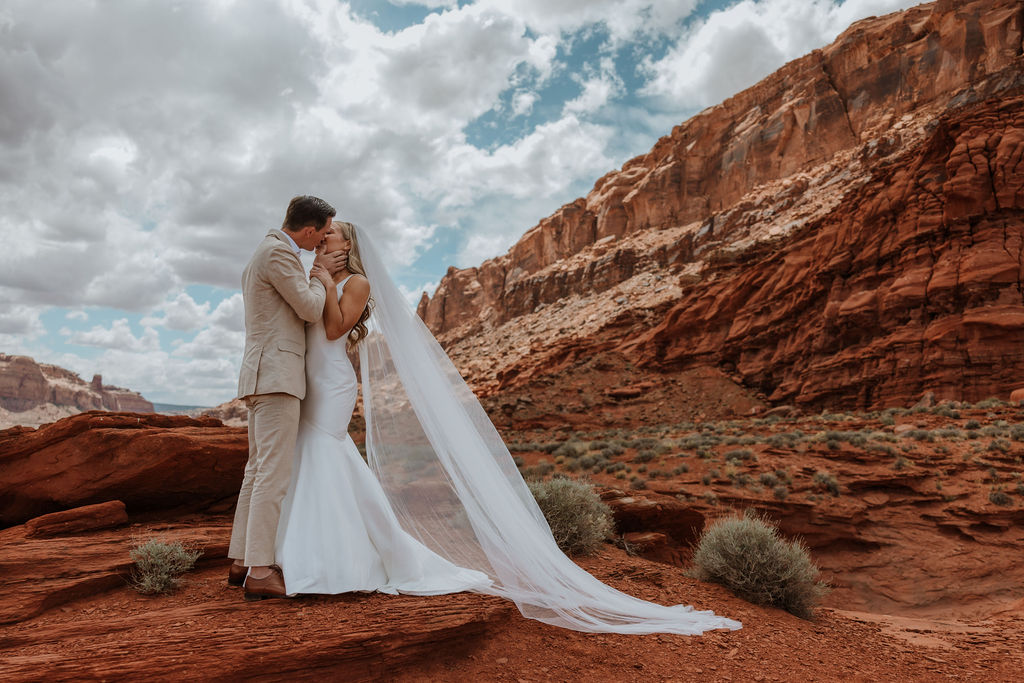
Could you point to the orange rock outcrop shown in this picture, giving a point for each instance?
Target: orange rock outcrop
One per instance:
(846, 232)
(150, 462)
(25, 385)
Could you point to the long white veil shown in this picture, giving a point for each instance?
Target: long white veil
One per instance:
(454, 486)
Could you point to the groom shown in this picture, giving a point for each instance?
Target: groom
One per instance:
(279, 299)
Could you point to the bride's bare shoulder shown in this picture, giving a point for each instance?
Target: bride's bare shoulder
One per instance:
(358, 285)
(358, 281)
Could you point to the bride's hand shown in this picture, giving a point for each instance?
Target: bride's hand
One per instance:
(320, 273)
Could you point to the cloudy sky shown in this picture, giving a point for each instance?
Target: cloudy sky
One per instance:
(146, 147)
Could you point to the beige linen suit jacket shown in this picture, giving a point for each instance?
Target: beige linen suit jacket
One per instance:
(279, 299)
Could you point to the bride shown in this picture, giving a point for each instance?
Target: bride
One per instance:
(444, 508)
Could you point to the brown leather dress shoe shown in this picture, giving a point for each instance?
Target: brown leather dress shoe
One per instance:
(269, 587)
(236, 575)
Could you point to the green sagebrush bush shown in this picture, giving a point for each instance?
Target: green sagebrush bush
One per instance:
(748, 556)
(158, 565)
(579, 519)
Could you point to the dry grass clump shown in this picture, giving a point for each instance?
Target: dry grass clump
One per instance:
(579, 519)
(748, 556)
(159, 565)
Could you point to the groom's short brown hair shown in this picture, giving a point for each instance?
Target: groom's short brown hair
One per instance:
(307, 210)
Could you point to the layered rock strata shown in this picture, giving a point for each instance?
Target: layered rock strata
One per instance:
(847, 231)
(150, 462)
(26, 385)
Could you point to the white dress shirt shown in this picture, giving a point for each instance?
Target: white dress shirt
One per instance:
(290, 241)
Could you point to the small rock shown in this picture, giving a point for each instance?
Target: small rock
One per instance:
(1017, 395)
(927, 401)
(84, 518)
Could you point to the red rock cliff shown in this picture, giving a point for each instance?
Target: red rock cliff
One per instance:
(848, 230)
(25, 384)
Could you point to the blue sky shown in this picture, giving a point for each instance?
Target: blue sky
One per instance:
(146, 147)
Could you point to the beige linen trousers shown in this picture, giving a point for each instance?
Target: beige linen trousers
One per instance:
(279, 299)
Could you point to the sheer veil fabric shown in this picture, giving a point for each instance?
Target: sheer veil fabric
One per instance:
(454, 487)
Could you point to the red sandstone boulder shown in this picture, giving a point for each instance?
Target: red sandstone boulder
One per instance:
(148, 461)
(85, 518)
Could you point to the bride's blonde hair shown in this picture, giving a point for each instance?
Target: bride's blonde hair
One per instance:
(355, 265)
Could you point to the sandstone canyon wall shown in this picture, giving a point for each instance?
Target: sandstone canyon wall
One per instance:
(847, 232)
(30, 389)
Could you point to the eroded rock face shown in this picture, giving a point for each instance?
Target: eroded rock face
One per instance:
(847, 231)
(150, 462)
(25, 384)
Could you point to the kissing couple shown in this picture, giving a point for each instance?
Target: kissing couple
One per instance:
(438, 506)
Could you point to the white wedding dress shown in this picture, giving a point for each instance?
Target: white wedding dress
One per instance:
(338, 532)
(442, 507)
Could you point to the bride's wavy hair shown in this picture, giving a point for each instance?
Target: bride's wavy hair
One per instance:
(355, 265)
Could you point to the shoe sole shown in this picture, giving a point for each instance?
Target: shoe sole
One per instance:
(256, 597)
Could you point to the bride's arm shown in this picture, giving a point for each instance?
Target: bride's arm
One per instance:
(342, 314)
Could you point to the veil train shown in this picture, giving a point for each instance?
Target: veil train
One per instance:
(454, 487)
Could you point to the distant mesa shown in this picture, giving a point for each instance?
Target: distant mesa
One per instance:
(34, 393)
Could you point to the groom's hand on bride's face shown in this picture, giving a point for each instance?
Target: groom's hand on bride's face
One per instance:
(333, 262)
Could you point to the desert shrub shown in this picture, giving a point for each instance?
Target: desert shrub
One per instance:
(769, 479)
(598, 445)
(749, 557)
(826, 481)
(645, 455)
(637, 483)
(159, 565)
(781, 492)
(710, 498)
(882, 448)
(610, 451)
(739, 454)
(991, 402)
(852, 438)
(538, 471)
(1001, 445)
(900, 463)
(681, 468)
(579, 519)
(783, 475)
(972, 424)
(571, 449)
(998, 496)
(921, 435)
(518, 460)
(705, 479)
